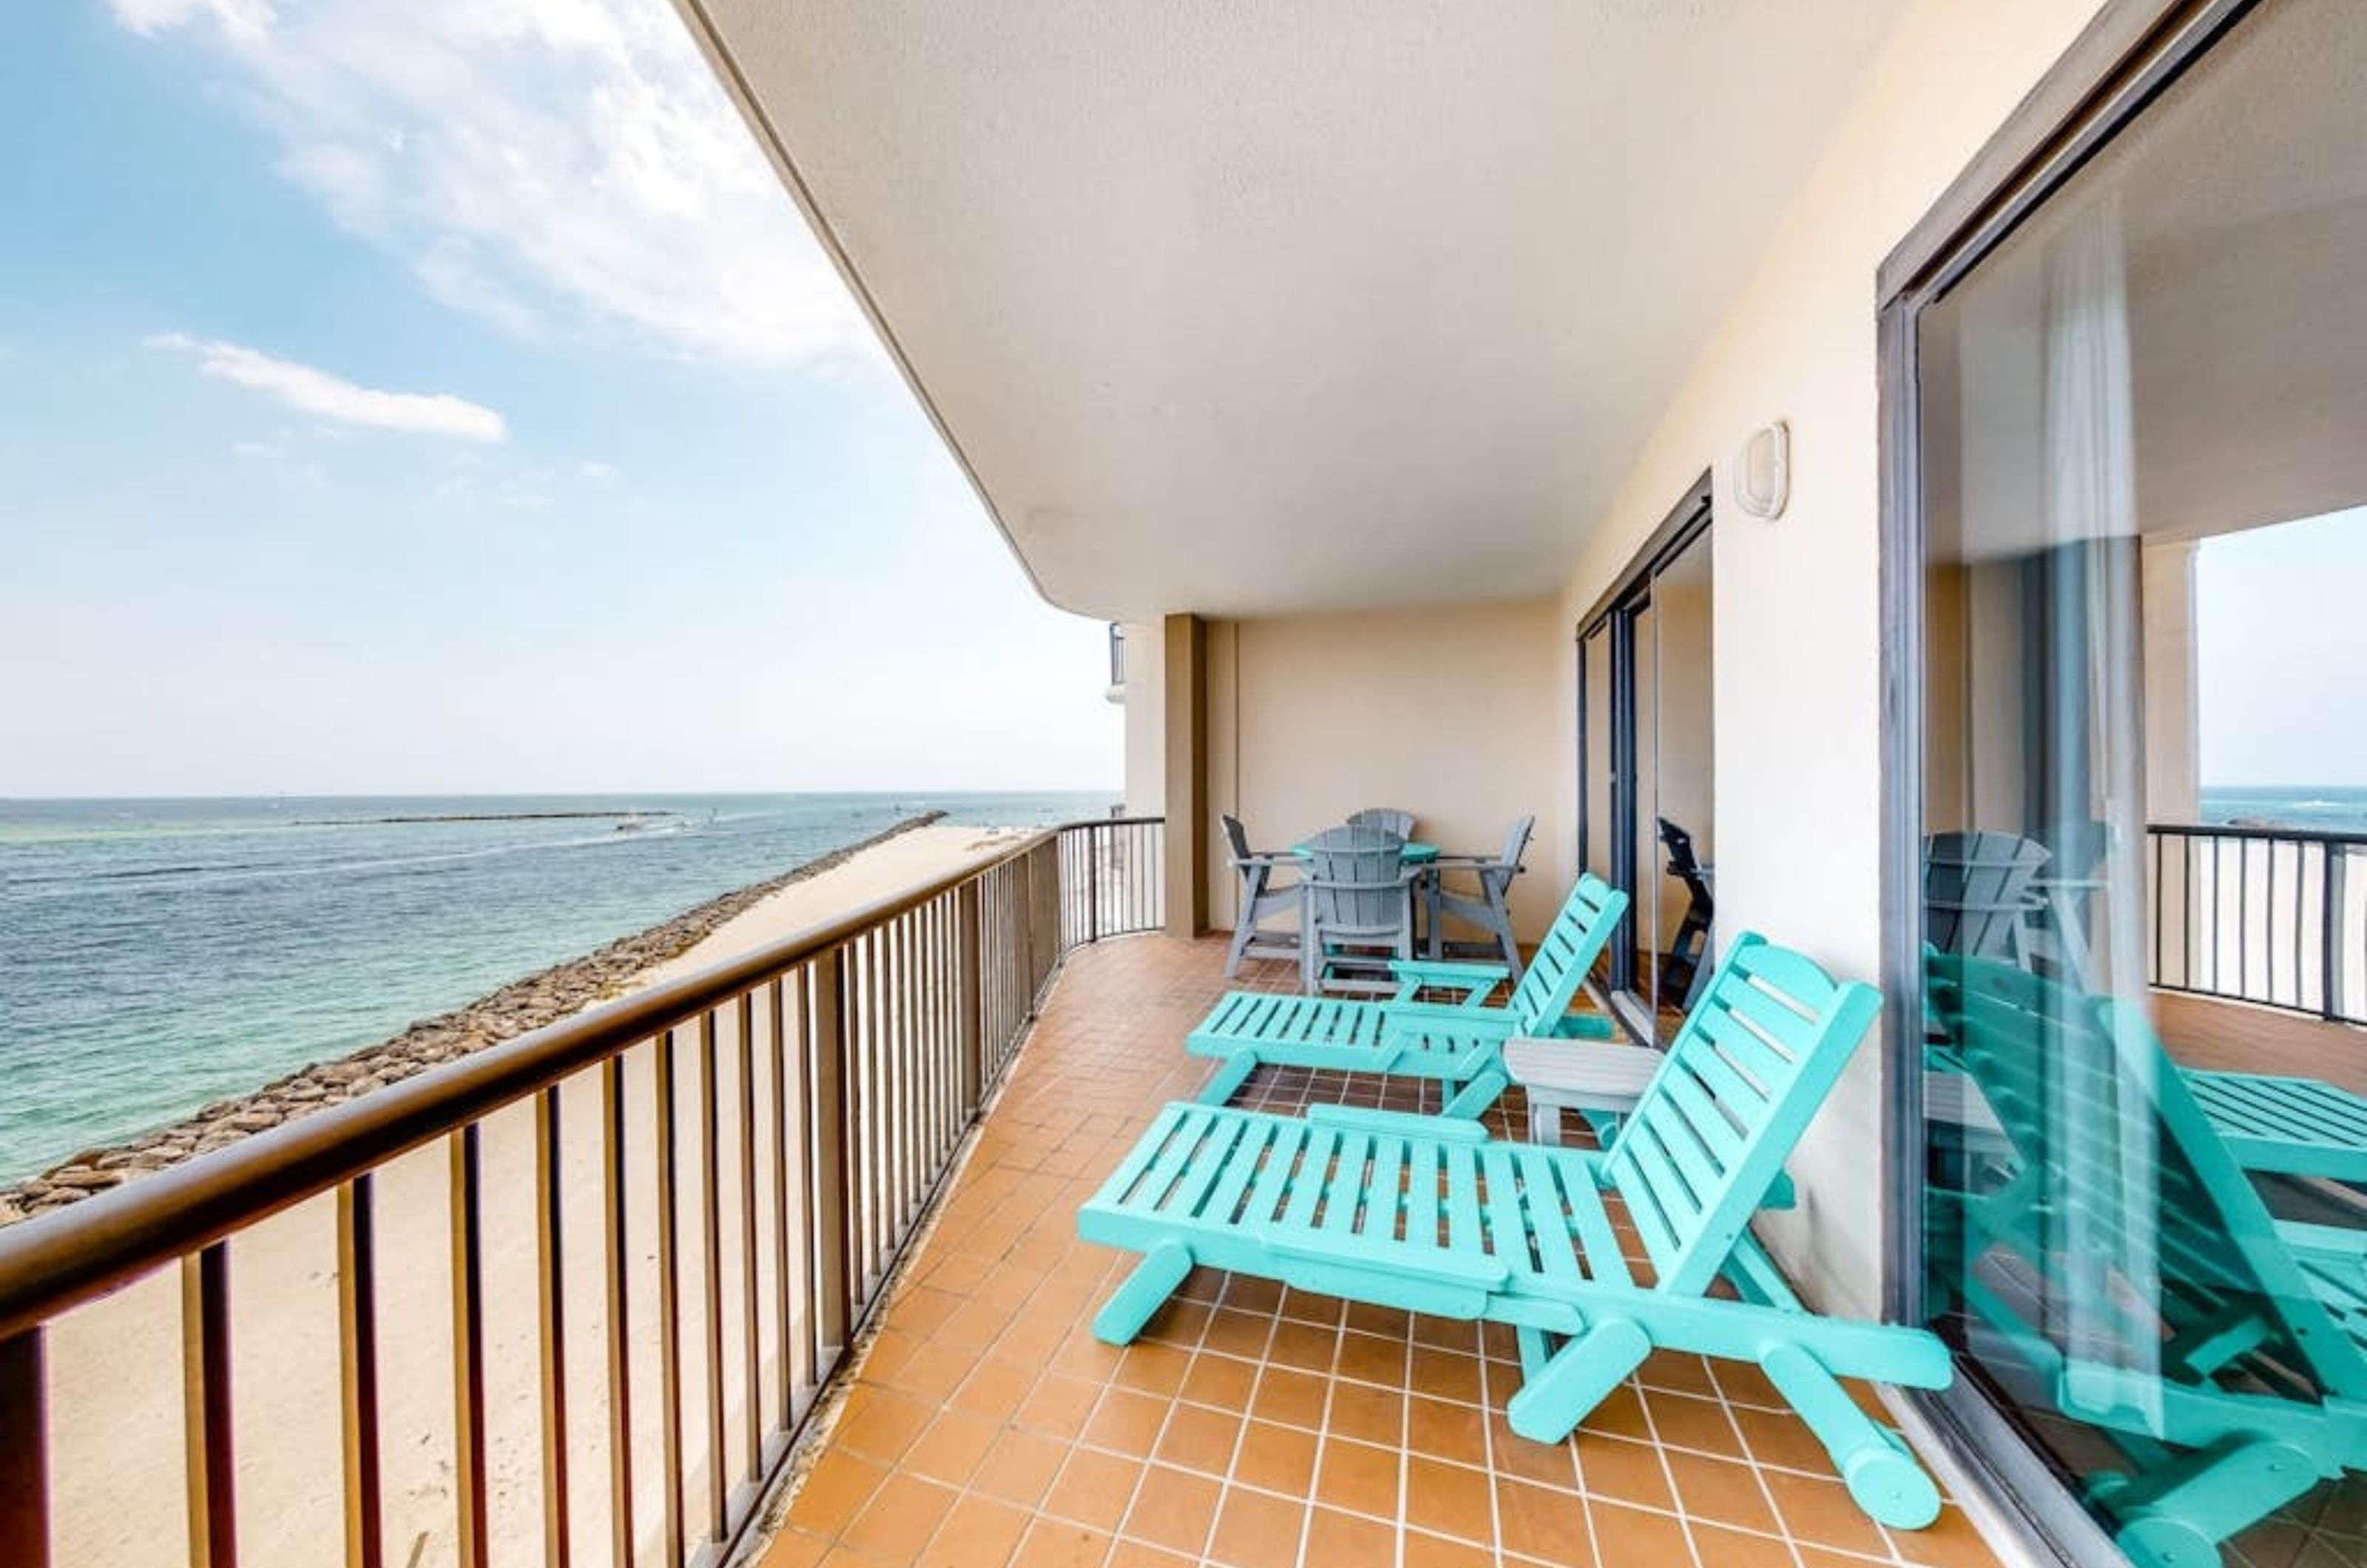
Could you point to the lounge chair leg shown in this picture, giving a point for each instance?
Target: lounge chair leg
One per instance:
(1551, 1405)
(2175, 1515)
(1145, 1291)
(1228, 1079)
(1473, 1098)
(1882, 1475)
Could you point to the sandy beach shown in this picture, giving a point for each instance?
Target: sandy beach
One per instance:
(118, 1467)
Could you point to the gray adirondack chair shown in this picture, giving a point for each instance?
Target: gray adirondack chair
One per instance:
(1487, 910)
(1385, 818)
(1977, 898)
(1359, 897)
(1261, 897)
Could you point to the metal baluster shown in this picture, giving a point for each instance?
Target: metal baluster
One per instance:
(552, 1303)
(620, 1378)
(2329, 938)
(24, 1449)
(357, 1369)
(669, 1299)
(751, 1346)
(206, 1410)
(711, 1249)
(469, 1349)
(828, 1107)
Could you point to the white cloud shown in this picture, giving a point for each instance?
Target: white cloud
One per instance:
(324, 396)
(563, 166)
(596, 472)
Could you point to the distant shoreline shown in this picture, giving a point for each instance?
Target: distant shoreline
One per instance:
(478, 816)
(543, 998)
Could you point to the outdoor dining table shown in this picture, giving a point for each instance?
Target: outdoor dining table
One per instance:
(1412, 852)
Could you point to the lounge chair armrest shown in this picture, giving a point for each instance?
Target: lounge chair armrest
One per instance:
(1475, 980)
(1444, 1129)
(1423, 1264)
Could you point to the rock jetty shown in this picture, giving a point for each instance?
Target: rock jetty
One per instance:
(555, 993)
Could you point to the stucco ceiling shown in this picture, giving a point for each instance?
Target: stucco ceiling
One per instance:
(1248, 309)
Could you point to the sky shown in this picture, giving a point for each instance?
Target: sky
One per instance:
(446, 396)
(2280, 635)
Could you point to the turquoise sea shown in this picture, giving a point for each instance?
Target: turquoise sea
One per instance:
(2322, 808)
(156, 954)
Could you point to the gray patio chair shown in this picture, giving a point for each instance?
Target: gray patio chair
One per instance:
(1977, 898)
(1359, 915)
(1385, 818)
(1487, 910)
(1261, 897)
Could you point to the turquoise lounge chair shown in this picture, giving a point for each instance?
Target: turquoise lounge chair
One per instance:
(2272, 1125)
(2122, 1270)
(1429, 1214)
(1462, 1042)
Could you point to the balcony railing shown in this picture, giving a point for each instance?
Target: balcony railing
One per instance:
(2274, 915)
(600, 1273)
(1112, 880)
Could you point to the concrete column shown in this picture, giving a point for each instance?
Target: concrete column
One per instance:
(2172, 729)
(1146, 719)
(1185, 643)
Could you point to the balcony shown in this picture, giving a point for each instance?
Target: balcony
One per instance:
(779, 1264)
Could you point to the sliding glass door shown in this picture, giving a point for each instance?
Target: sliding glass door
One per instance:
(1646, 769)
(2137, 1209)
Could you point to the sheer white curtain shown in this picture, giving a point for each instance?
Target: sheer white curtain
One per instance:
(2093, 771)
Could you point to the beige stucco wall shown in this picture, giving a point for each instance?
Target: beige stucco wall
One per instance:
(1447, 713)
(1798, 634)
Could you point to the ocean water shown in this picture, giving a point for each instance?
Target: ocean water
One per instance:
(157, 954)
(2322, 808)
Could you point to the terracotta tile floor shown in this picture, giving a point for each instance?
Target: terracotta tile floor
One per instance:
(1252, 1425)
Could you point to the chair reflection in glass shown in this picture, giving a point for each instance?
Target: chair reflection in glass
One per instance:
(2117, 1268)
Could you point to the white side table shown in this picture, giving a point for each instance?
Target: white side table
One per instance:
(1577, 1075)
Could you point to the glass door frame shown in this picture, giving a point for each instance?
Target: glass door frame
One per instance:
(2128, 54)
(1614, 614)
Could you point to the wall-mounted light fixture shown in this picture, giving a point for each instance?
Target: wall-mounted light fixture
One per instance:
(1762, 472)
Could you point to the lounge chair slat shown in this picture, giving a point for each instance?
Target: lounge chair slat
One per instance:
(1422, 1177)
(1466, 1236)
(1153, 1143)
(1306, 1187)
(1225, 1200)
(1542, 1197)
(1271, 1189)
(1685, 1148)
(1508, 1229)
(1737, 1094)
(1209, 1161)
(1188, 1135)
(1345, 1184)
(1666, 1212)
(1740, 1044)
(1598, 1244)
(1385, 1199)
(1714, 1125)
